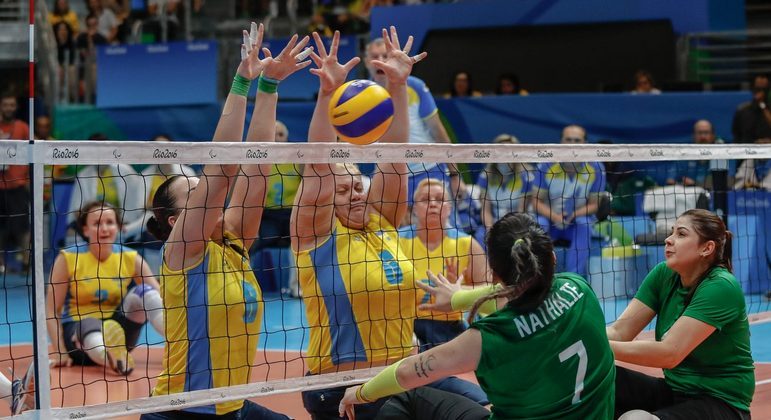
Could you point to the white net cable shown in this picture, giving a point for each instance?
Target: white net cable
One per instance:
(622, 247)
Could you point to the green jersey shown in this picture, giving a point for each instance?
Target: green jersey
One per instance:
(721, 366)
(552, 362)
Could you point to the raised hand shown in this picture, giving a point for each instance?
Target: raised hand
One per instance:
(398, 64)
(285, 63)
(331, 73)
(441, 290)
(251, 66)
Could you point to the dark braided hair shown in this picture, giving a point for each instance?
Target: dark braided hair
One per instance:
(164, 206)
(521, 255)
(709, 227)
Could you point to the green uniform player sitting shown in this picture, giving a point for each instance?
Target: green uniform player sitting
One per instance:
(542, 353)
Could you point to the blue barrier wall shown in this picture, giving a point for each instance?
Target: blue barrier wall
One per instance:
(152, 75)
(686, 15)
(624, 118)
(666, 118)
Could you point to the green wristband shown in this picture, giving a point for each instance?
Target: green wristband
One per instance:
(240, 86)
(267, 85)
(464, 299)
(382, 385)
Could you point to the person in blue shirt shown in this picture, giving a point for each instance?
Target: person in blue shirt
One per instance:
(567, 199)
(696, 172)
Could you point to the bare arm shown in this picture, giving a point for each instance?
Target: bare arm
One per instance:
(60, 282)
(203, 207)
(313, 211)
(480, 271)
(388, 191)
(631, 322)
(143, 274)
(684, 336)
(244, 213)
(460, 355)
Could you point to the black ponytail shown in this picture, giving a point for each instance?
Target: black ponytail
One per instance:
(521, 255)
(164, 206)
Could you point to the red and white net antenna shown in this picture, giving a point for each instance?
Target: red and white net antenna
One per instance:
(31, 69)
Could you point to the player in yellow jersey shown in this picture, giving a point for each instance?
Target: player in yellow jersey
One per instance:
(432, 245)
(212, 300)
(91, 295)
(357, 285)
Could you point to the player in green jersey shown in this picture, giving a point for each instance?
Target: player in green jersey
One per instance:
(702, 332)
(543, 354)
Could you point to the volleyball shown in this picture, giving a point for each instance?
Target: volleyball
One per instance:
(361, 111)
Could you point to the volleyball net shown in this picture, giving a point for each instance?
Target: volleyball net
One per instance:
(608, 209)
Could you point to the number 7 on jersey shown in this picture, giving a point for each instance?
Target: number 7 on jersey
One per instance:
(577, 349)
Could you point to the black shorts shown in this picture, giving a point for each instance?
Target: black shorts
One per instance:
(637, 391)
(75, 331)
(429, 403)
(14, 218)
(323, 404)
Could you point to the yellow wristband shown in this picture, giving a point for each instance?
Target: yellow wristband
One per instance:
(384, 384)
(463, 300)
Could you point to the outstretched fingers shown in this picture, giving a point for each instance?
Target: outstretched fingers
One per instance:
(320, 45)
(351, 64)
(408, 45)
(395, 38)
(335, 44)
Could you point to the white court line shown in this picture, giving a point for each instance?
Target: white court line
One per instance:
(763, 382)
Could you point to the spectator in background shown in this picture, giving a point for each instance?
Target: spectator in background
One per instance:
(644, 84)
(505, 187)
(107, 22)
(508, 84)
(462, 86)
(62, 13)
(118, 185)
(65, 55)
(14, 192)
(43, 128)
(86, 44)
(65, 44)
(567, 199)
(696, 172)
(754, 174)
(158, 11)
(319, 24)
(752, 121)
(153, 176)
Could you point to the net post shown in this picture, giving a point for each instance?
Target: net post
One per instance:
(40, 336)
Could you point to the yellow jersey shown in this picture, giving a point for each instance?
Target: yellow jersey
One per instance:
(454, 245)
(96, 288)
(359, 294)
(213, 311)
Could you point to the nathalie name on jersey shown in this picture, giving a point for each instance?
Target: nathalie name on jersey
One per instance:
(553, 307)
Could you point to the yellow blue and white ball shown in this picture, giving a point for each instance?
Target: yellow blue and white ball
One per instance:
(361, 111)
